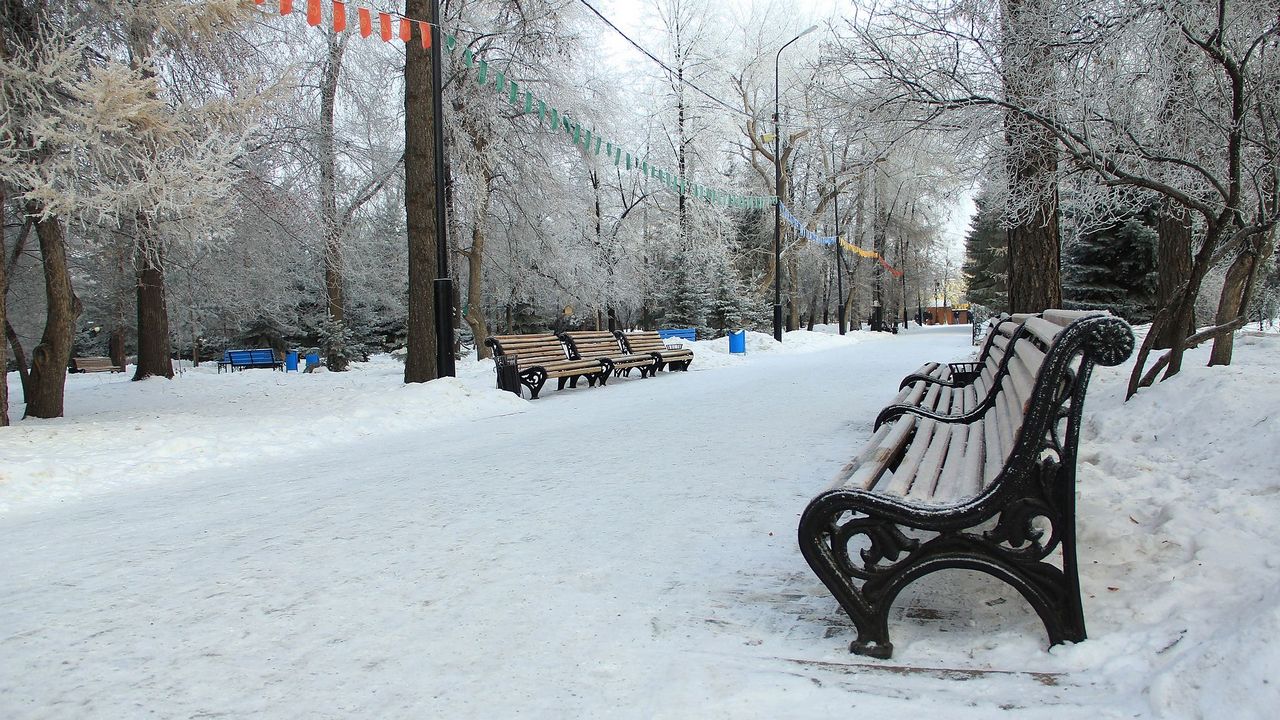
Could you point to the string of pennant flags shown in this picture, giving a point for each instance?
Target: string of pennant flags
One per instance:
(812, 236)
(392, 26)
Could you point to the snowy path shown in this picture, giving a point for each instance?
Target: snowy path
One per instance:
(623, 553)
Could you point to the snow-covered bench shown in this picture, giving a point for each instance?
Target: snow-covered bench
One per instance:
(956, 388)
(954, 374)
(649, 342)
(991, 489)
(604, 345)
(539, 357)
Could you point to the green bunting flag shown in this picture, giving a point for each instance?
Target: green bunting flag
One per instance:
(583, 138)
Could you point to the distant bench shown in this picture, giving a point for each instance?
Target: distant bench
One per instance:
(690, 334)
(94, 364)
(648, 342)
(986, 483)
(542, 356)
(256, 358)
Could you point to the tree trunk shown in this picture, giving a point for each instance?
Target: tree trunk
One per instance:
(793, 280)
(1035, 275)
(50, 357)
(153, 313)
(420, 200)
(335, 302)
(475, 279)
(1174, 268)
(4, 292)
(1237, 292)
(115, 346)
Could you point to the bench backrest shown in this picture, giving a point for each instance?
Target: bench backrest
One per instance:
(92, 363)
(593, 344)
(643, 341)
(690, 334)
(529, 350)
(1042, 383)
(255, 356)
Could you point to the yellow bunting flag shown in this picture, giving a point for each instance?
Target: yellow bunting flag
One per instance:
(339, 17)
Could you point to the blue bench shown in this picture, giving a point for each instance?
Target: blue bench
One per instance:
(690, 334)
(256, 358)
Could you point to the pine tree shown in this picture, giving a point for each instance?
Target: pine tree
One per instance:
(689, 301)
(1114, 268)
(985, 257)
(730, 309)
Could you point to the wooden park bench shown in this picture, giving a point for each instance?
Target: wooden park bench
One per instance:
(94, 364)
(604, 345)
(541, 357)
(989, 489)
(649, 342)
(256, 358)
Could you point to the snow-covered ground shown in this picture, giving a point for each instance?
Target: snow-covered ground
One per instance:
(259, 544)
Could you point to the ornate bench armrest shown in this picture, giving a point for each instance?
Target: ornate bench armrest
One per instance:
(893, 412)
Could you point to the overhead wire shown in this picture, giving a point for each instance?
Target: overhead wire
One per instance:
(674, 75)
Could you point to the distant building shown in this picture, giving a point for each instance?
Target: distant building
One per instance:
(947, 315)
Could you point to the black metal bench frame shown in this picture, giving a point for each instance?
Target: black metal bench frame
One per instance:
(868, 546)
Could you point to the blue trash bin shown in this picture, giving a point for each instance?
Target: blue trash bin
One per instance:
(313, 360)
(738, 342)
(291, 361)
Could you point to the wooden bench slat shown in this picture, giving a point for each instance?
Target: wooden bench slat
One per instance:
(914, 477)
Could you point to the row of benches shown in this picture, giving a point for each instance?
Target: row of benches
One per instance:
(972, 466)
(531, 360)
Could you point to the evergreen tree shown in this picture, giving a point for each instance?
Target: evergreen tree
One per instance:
(689, 301)
(1113, 267)
(985, 256)
(730, 308)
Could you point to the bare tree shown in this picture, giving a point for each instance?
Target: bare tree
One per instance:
(1100, 111)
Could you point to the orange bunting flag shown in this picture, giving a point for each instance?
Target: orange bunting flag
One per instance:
(258, 2)
(313, 12)
(385, 21)
(366, 23)
(425, 31)
(286, 7)
(406, 30)
(339, 17)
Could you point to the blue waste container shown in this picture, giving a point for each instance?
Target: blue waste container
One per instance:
(738, 341)
(313, 360)
(291, 361)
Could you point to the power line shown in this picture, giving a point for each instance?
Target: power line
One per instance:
(664, 66)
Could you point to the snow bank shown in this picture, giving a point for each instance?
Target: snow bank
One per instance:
(117, 432)
(1179, 492)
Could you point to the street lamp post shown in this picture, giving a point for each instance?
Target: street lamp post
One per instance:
(443, 284)
(777, 193)
(835, 201)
